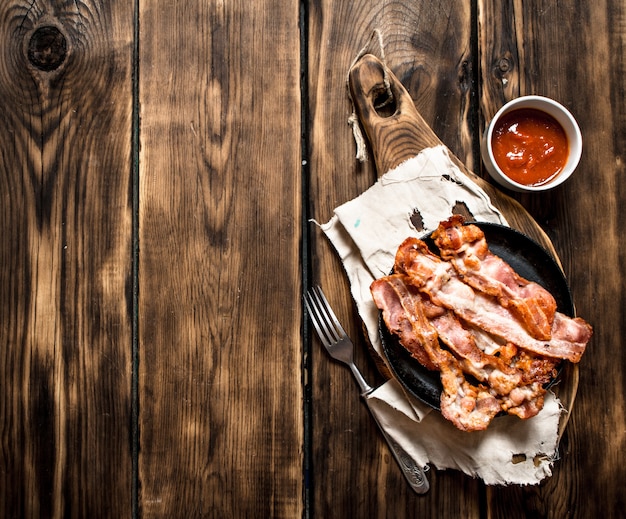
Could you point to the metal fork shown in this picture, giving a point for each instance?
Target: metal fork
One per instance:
(340, 347)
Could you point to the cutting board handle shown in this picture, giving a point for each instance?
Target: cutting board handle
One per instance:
(394, 128)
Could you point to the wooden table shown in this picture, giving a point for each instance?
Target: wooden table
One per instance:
(160, 162)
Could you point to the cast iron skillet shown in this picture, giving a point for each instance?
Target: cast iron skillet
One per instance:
(529, 259)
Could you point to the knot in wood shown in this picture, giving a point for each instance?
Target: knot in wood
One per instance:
(47, 48)
(504, 65)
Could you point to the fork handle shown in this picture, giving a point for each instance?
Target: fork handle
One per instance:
(413, 472)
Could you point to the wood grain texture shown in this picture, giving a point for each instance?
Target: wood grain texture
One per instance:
(65, 251)
(427, 47)
(395, 130)
(223, 190)
(562, 51)
(221, 411)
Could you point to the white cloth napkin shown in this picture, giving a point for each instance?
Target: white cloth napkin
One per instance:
(366, 233)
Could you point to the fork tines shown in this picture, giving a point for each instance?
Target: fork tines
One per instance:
(322, 316)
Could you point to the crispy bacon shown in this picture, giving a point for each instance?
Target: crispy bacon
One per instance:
(515, 379)
(471, 315)
(485, 368)
(406, 313)
(469, 407)
(405, 316)
(465, 247)
(437, 278)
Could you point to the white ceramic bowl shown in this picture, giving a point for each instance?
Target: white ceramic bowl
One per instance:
(562, 116)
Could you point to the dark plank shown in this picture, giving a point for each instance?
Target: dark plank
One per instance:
(428, 49)
(65, 259)
(221, 419)
(575, 54)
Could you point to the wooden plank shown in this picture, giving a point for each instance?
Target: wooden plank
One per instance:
(575, 54)
(221, 419)
(65, 258)
(428, 47)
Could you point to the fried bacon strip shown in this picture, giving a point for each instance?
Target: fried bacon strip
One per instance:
(406, 311)
(405, 315)
(420, 324)
(469, 407)
(517, 381)
(437, 278)
(465, 247)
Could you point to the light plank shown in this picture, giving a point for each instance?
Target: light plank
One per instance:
(221, 420)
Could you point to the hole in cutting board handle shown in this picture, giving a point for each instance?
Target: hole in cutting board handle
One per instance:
(384, 103)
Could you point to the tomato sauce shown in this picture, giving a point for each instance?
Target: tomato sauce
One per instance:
(530, 146)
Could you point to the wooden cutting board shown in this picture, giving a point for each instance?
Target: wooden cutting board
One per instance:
(397, 132)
